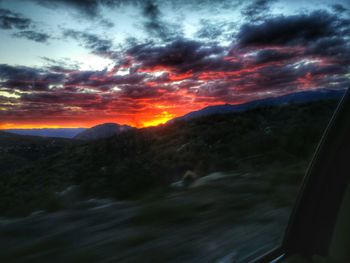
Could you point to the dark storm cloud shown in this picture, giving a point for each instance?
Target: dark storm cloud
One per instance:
(32, 79)
(33, 35)
(11, 72)
(101, 79)
(96, 44)
(12, 20)
(81, 77)
(60, 97)
(293, 30)
(270, 78)
(176, 53)
(219, 89)
(257, 10)
(332, 70)
(153, 21)
(270, 55)
(92, 8)
(320, 50)
(336, 48)
(64, 65)
(139, 92)
(276, 67)
(87, 7)
(25, 78)
(182, 55)
(338, 82)
(287, 77)
(154, 24)
(339, 8)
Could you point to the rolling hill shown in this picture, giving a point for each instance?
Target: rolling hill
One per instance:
(48, 132)
(102, 131)
(299, 97)
(139, 161)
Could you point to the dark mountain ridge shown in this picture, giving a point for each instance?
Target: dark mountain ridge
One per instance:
(48, 132)
(299, 97)
(138, 161)
(102, 131)
(110, 129)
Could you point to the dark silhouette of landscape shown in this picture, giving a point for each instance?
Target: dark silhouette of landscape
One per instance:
(158, 188)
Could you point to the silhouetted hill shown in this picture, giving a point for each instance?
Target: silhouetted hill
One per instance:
(49, 132)
(299, 97)
(138, 161)
(102, 131)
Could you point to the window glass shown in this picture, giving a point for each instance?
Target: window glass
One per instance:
(339, 247)
(161, 131)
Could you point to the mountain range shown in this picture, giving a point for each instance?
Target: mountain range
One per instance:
(109, 129)
(102, 131)
(49, 132)
(299, 97)
(139, 162)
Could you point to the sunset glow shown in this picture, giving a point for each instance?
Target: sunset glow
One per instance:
(150, 66)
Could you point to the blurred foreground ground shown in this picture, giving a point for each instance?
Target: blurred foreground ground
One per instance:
(222, 219)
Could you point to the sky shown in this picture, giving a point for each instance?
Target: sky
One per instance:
(75, 63)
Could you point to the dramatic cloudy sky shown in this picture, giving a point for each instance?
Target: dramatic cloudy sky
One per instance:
(75, 63)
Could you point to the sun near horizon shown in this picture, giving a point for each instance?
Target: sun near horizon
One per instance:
(149, 66)
(158, 119)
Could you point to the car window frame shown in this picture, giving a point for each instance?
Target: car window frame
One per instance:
(320, 194)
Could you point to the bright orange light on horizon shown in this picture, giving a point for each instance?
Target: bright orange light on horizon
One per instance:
(153, 114)
(141, 121)
(161, 118)
(6, 126)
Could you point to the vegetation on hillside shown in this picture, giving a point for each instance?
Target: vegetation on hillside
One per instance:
(139, 162)
(16, 151)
